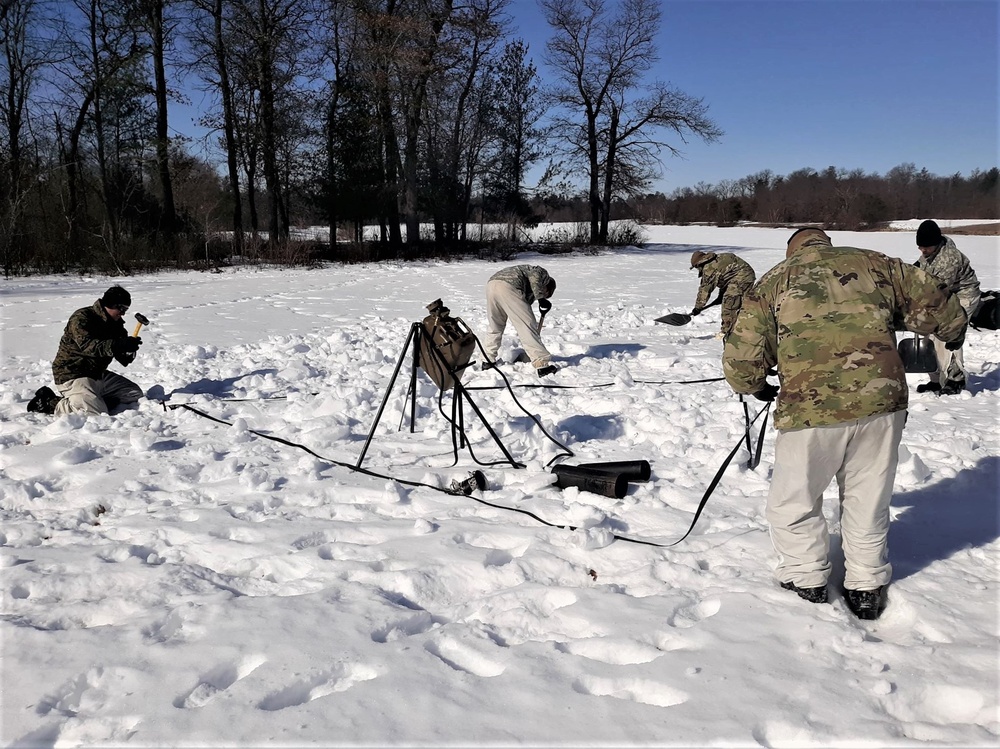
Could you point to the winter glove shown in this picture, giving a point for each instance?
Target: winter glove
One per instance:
(544, 305)
(955, 345)
(128, 345)
(767, 393)
(126, 359)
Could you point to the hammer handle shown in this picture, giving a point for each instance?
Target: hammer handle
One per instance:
(138, 327)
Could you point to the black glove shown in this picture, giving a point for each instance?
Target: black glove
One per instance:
(955, 345)
(127, 345)
(544, 305)
(767, 393)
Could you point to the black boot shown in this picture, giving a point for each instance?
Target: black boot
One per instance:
(866, 604)
(953, 387)
(44, 402)
(547, 370)
(929, 387)
(813, 595)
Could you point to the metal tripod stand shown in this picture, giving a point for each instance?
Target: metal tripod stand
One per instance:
(459, 398)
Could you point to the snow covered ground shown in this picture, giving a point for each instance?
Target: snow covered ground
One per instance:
(168, 580)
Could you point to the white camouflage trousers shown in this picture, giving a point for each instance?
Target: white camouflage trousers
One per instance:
(951, 364)
(504, 302)
(86, 395)
(862, 455)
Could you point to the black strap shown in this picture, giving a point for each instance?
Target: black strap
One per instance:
(374, 474)
(718, 475)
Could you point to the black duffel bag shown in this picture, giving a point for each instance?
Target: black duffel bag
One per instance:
(987, 314)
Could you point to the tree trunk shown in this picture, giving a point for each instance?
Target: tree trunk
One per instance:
(228, 126)
(162, 132)
(609, 172)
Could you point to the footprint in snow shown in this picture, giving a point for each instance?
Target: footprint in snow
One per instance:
(465, 656)
(688, 616)
(635, 690)
(217, 680)
(338, 679)
(612, 650)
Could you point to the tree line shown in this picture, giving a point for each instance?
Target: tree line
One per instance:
(836, 198)
(393, 113)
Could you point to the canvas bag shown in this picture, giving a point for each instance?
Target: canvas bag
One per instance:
(987, 314)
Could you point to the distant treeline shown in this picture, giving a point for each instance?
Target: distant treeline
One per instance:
(836, 198)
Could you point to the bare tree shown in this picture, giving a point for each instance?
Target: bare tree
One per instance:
(24, 52)
(518, 138)
(601, 60)
(158, 28)
(211, 61)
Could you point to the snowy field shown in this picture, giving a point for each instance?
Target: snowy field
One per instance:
(169, 580)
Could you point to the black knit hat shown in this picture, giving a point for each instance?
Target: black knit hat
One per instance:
(116, 295)
(928, 234)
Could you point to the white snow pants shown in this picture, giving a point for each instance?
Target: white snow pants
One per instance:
(862, 455)
(503, 301)
(86, 395)
(951, 364)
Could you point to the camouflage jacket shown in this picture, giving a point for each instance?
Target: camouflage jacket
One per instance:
(951, 267)
(85, 348)
(824, 317)
(530, 280)
(724, 270)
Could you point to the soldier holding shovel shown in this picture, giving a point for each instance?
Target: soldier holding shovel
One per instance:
(731, 275)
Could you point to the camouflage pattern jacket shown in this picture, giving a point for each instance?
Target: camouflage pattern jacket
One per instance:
(824, 317)
(949, 266)
(720, 273)
(85, 348)
(530, 280)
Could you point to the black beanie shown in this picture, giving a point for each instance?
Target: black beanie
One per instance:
(116, 295)
(928, 234)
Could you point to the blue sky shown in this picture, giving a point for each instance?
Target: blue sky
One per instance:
(857, 84)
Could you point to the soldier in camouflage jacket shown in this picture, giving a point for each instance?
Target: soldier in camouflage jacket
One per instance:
(731, 275)
(509, 295)
(826, 317)
(93, 337)
(941, 258)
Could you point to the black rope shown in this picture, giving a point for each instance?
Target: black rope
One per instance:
(453, 493)
(599, 385)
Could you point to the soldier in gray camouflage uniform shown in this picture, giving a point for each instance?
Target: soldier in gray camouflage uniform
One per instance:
(509, 295)
(941, 258)
(731, 275)
(93, 337)
(826, 318)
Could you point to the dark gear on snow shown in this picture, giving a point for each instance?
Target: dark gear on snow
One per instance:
(44, 402)
(987, 314)
(813, 595)
(866, 604)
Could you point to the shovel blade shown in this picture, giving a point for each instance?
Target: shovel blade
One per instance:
(674, 318)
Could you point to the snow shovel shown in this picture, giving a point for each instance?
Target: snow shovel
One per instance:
(679, 318)
(544, 305)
